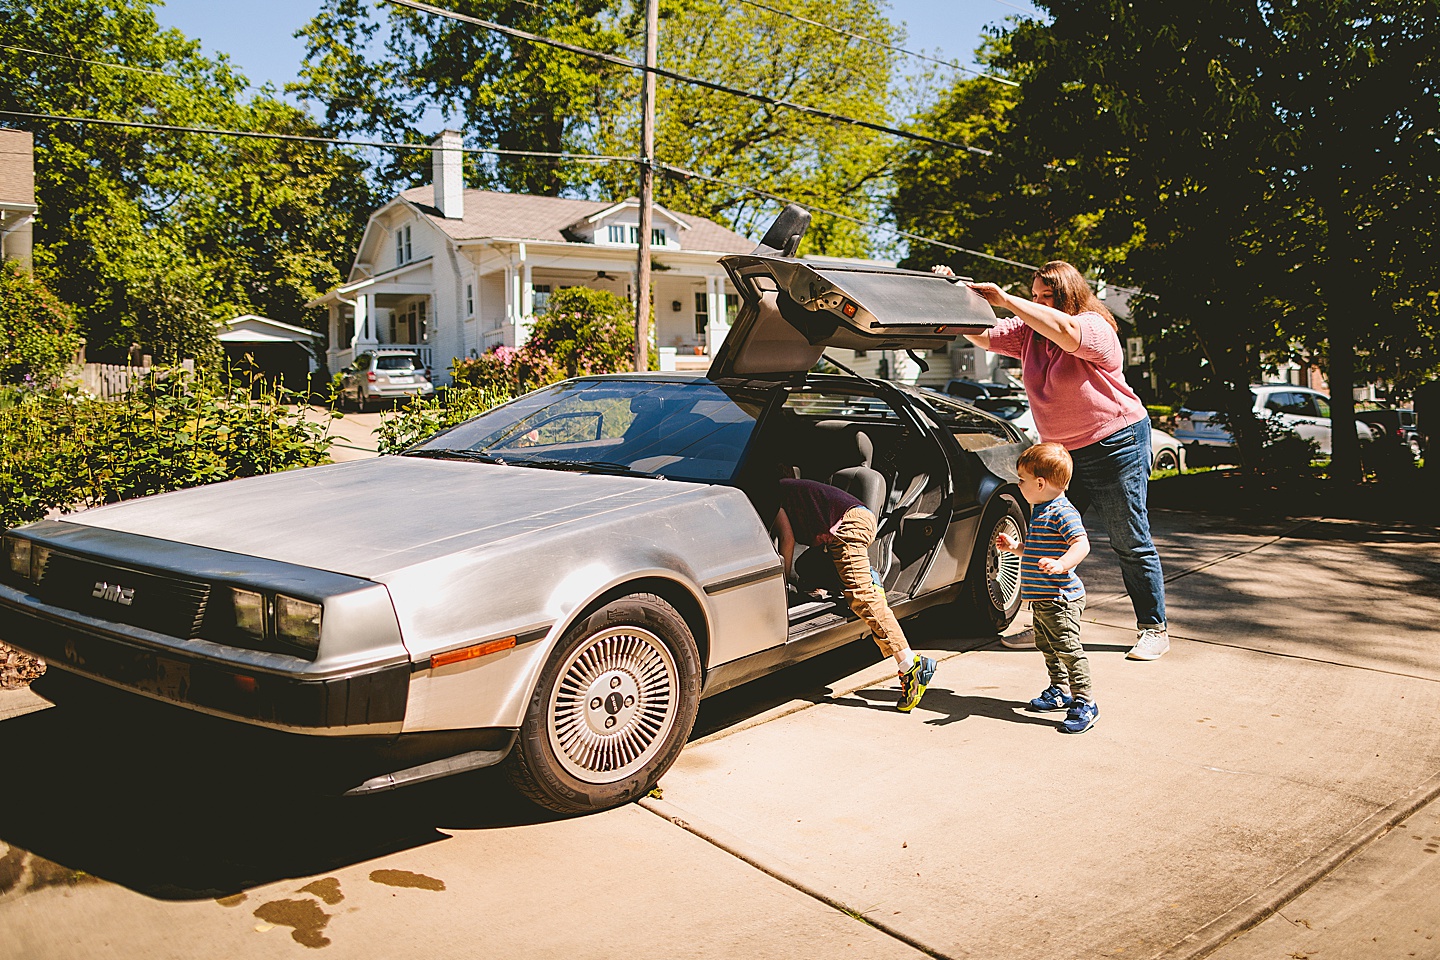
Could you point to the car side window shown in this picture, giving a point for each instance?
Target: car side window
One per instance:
(1322, 405)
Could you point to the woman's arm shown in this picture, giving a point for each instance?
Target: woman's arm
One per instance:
(787, 541)
(1054, 325)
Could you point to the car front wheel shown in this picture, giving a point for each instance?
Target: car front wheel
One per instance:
(990, 597)
(1166, 460)
(612, 709)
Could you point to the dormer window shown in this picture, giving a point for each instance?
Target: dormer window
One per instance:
(630, 233)
(403, 252)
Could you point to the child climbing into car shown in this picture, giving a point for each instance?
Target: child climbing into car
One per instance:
(1052, 549)
(819, 515)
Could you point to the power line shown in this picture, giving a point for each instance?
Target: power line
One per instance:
(878, 43)
(335, 141)
(683, 78)
(98, 63)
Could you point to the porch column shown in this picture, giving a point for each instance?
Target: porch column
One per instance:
(527, 303)
(719, 326)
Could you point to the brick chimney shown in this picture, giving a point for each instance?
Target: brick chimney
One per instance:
(447, 164)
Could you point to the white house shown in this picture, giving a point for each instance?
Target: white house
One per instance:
(17, 194)
(453, 272)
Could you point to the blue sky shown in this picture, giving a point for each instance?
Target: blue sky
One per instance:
(259, 34)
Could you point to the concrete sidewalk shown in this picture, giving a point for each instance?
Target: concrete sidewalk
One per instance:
(1294, 720)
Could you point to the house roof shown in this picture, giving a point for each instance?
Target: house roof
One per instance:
(250, 328)
(521, 216)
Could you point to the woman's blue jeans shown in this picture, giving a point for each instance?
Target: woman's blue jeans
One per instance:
(1113, 476)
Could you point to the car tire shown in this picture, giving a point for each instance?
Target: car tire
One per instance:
(990, 596)
(1166, 460)
(612, 709)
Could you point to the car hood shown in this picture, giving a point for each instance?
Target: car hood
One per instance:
(368, 518)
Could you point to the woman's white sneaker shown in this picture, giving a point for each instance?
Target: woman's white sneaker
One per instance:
(1152, 644)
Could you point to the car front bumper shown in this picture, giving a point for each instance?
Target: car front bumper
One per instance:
(367, 700)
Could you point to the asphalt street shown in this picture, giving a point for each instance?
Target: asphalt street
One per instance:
(1263, 791)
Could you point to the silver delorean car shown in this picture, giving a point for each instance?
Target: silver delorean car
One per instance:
(573, 570)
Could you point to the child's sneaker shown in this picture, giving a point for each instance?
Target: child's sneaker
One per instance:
(914, 681)
(1053, 698)
(1081, 717)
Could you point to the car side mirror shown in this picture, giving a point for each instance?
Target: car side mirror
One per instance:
(783, 237)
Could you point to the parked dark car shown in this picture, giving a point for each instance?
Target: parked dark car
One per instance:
(1395, 432)
(967, 389)
(591, 560)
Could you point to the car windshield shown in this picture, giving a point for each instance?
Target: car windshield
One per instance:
(681, 430)
(407, 361)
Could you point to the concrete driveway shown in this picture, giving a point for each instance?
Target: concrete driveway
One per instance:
(1294, 720)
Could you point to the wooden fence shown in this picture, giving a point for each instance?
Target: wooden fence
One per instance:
(110, 380)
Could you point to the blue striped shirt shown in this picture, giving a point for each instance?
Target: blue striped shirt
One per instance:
(1054, 526)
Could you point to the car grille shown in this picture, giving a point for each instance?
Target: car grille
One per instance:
(164, 604)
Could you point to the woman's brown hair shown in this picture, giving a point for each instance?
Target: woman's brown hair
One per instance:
(1072, 292)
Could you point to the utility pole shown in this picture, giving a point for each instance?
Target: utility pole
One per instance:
(647, 187)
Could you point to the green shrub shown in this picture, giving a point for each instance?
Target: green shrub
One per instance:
(424, 417)
(67, 450)
(38, 339)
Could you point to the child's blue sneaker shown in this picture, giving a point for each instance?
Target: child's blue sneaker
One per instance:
(1053, 698)
(1082, 717)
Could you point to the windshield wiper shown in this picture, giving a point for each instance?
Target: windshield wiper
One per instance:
(451, 454)
(583, 466)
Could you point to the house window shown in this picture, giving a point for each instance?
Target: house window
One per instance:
(403, 251)
(702, 312)
(539, 298)
(623, 233)
(469, 299)
(657, 237)
(732, 307)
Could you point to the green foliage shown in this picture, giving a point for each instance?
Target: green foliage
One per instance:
(583, 331)
(136, 223)
(506, 93)
(1009, 203)
(37, 332)
(424, 417)
(60, 449)
(816, 162)
(1275, 163)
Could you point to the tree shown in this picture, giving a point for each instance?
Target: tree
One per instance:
(814, 162)
(249, 225)
(37, 332)
(505, 92)
(1012, 203)
(1265, 200)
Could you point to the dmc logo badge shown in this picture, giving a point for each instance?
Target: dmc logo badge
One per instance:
(114, 593)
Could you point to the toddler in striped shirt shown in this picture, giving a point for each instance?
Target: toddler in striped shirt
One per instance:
(1052, 549)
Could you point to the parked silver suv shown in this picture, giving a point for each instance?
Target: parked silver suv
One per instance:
(1303, 410)
(380, 375)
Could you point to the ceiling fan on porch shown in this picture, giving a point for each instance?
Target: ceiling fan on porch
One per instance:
(602, 275)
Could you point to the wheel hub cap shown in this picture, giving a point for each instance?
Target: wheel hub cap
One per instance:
(614, 705)
(1002, 568)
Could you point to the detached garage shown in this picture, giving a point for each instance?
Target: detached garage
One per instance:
(278, 351)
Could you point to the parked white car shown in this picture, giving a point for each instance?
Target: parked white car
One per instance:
(1165, 451)
(1301, 409)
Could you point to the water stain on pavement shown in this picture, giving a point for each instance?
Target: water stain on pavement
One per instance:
(404, 878)
(304, 917)
(327, 889)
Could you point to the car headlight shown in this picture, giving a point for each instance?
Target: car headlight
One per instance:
(297, 622)
(24, 558)
(17, 556)
(250, 610)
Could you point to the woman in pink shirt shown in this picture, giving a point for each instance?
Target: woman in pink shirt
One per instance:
(1070, 357)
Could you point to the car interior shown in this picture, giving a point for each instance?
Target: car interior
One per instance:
(852, 439)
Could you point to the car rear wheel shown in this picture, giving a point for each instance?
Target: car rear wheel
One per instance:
(990, 596)
(612, 708)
